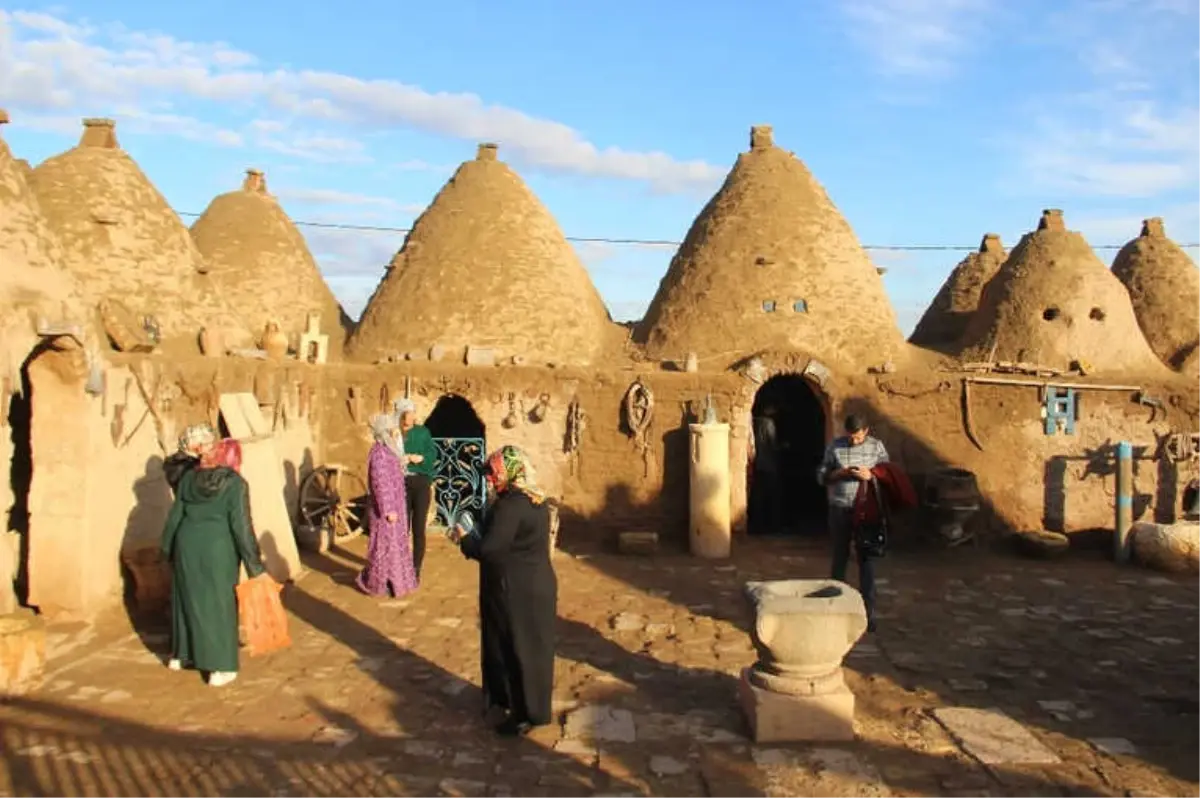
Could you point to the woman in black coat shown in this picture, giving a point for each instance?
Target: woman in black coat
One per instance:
(518, 594)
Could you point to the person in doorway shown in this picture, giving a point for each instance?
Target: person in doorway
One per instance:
(766, 501)
(848, 462)
(389, 569)
(518, 595)
(421, 456)
(193, 443)
(208, 535)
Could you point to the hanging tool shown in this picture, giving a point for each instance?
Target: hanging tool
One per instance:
(1142, 398)
(966, 409)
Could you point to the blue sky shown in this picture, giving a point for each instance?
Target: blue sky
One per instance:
(928, 121)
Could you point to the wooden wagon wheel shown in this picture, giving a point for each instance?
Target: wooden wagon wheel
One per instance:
(334, 497)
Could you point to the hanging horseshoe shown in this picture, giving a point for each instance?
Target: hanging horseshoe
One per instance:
(639, 408)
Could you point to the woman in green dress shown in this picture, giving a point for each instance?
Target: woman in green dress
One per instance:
(208, 534)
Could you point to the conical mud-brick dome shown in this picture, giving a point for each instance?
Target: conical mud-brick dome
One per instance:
(945, 320)
(123, 242)
(33, 284)
(771, 263)
(1054, 303)
(261, 264)
(1164, 285)
(486, 265)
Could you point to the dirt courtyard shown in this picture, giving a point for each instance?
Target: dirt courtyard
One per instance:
(1098, 663)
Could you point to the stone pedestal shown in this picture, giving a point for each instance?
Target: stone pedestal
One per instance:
(802, 631)
(22, 653)
(151, 577)
(778, 717)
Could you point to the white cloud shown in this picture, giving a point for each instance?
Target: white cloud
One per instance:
(49, 64)
(1130, 125)
(915, 38)
(332, 196)
(1180, 222)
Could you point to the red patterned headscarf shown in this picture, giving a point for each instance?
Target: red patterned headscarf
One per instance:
(226, 452)
(509, 468)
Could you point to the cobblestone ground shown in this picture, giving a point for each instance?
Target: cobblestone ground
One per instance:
(376, 697)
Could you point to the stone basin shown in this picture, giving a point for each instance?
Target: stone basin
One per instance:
(803, 630)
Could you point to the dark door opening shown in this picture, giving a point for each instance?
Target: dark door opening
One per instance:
(20, 474)
(785, 497)
(454, 417)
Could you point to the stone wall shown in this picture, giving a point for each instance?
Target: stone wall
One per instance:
(610, 483)
(98, 486)
(1028, 480)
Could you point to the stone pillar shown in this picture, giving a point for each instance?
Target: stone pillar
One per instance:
(62, 573)
(709, 526)
(803, 629)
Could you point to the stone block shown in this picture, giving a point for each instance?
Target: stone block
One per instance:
(993, 738)
(643, 543)
(22, 653)
(776, 717)
(1168, 547)
(151, 576)
(437, 352)
(480, 356)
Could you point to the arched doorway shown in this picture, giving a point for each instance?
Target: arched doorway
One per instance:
(461, 438)
(798, 415)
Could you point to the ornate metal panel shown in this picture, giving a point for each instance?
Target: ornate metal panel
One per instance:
(458, 486)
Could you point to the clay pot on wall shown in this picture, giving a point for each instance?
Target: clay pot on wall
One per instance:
(274, 341)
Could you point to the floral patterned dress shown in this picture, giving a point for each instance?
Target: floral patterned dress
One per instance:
(389, 568)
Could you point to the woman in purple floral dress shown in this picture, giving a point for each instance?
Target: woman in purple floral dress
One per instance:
(389, 568)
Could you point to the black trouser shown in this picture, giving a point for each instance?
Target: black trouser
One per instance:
(766, 503)
(841, 529)
(416, 488)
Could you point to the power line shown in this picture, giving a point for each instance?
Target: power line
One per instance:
(653, 242)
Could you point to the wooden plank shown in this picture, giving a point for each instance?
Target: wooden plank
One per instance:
(1080, 386)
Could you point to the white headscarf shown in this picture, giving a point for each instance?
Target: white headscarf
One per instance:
(383, 425)
(404, 405)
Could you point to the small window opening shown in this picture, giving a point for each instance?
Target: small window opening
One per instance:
(800, 306)
(768, 306)
(1096, 315)
(1050, 314)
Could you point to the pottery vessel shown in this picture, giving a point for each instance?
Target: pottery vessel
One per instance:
(274, 342)
(151, 576)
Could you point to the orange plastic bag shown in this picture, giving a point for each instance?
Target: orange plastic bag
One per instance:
(261, 616)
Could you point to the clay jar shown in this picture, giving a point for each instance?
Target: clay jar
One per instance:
(274, 341)
(803, 630)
